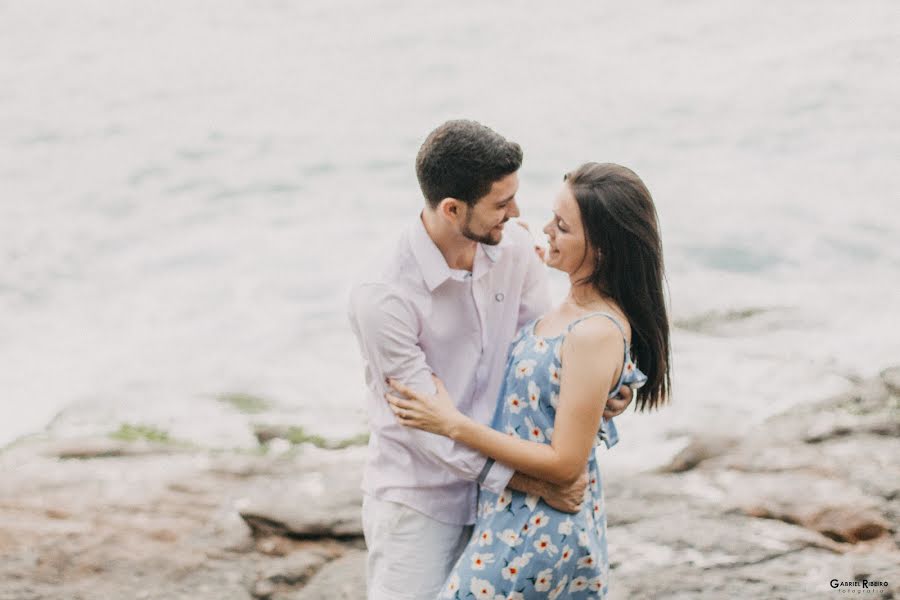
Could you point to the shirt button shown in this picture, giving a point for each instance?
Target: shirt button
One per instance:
(499, 297)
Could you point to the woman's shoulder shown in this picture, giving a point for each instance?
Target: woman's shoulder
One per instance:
(597, 331)
(598, 336)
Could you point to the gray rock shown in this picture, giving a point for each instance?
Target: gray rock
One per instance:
(294, 569)
(697, 451)
(891, 378)
(342, 579)
(324, 501)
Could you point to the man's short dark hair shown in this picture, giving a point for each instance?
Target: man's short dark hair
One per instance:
(462, 159)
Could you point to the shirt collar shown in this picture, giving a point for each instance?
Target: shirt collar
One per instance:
(435, 269)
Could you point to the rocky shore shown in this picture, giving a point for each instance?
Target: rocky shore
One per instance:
(809, 496)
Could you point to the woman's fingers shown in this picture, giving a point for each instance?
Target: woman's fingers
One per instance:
(402, 389)
(398, 402)
(438, 384)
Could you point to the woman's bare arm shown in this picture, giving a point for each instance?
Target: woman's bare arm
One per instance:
(592, 353)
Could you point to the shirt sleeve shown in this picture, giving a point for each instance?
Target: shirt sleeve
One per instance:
(535, 290)
(387, 331)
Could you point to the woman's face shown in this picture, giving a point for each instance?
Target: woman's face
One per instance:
(565, 234)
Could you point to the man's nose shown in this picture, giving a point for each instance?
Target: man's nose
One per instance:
(512, 210)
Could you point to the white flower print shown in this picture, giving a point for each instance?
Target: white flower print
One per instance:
(548, 433)
(554, 374)
(578, 584)
(560, 587)
(540, 345)
(565, 528)
(487, 508)
(482, 589)
(452, 586)
(539, 520)
(594, 483)
(564, 557)
(518, 349)
(515, 566)
(486, 538)
(597, 508)
(511, 431)
(531, 501)
(514, 596)
(554, 399)
(545, 544)
(524, 368)
(510, 538)
(480, 561)
(543, 581)
(596, 584)
(503, 500)
(587, 562)
(556, 350)
(534, 432)
(583, 539)
(534, 395)
(510, 571)
(514, 403)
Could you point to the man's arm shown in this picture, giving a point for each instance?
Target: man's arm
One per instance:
(387, 331)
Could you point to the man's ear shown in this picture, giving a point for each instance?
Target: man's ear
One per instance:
(452, 209)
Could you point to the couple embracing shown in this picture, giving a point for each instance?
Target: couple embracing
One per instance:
(487, 402)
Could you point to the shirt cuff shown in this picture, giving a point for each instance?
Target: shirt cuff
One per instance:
(495, 476)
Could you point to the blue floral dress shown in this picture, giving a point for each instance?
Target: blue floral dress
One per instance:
(521, 548)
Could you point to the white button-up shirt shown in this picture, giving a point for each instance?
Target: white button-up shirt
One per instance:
(413, 315)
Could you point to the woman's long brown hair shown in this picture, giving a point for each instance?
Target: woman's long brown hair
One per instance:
(620, 222)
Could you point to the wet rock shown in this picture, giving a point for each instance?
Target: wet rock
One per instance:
(891, 378)
(296, 568)
(697, 451)
(324, 502)
(828, 505)
(342, 579)
(103, 448)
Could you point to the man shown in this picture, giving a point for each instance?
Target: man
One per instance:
(447, 300)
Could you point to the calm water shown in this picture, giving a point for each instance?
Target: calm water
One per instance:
(186, 190)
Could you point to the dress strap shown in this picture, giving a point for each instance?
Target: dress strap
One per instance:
(600, 314)
(618, 324)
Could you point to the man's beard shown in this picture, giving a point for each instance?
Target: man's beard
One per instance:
(483, 239)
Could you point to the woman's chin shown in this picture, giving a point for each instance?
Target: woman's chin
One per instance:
(552, 263)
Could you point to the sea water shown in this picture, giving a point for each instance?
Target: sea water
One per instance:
(186, 192)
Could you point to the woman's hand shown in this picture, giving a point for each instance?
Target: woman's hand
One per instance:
(437, 414)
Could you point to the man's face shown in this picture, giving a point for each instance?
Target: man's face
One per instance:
(484, 222)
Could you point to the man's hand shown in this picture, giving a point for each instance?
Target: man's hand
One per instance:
(567, 498)
(616, 406)
(538, 249)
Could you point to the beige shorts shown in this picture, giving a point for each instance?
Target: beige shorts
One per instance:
(410, 554)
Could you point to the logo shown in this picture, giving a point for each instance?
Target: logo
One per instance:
(859, 586)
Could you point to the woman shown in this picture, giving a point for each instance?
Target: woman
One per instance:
(561, 370)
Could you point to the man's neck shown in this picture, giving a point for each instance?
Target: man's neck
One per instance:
(458, 251)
